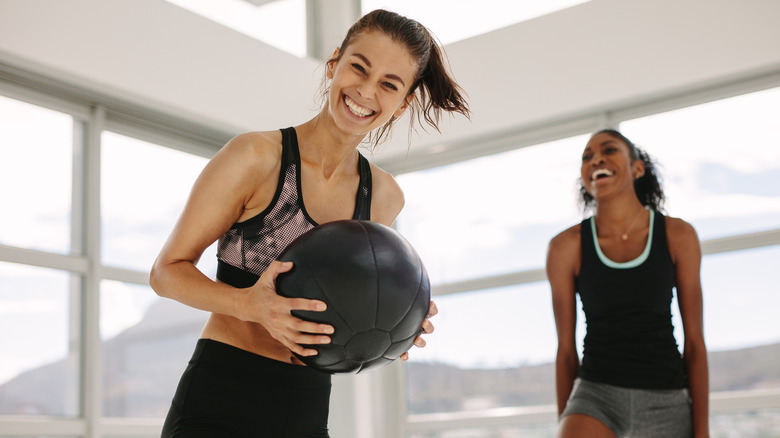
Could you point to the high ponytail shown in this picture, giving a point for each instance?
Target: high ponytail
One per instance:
(438, 91)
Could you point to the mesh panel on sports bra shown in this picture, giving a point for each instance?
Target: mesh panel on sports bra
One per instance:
(254, 244)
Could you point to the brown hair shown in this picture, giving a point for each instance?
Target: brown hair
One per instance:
(438, 91)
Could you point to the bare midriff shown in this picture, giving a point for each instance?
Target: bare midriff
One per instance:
(248, 336)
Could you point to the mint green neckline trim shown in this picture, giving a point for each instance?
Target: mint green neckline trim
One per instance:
(631, 263)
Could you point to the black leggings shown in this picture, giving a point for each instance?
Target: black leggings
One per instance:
(227, 392)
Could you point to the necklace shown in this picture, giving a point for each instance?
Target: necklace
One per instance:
(624, 236)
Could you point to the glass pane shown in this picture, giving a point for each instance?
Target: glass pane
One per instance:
(280, 23)
(449, 27)
(36, 161)
(144, 188)
(492, 215)
(754, 423)
(147, 343)
(39, 348)
(741, 295)
(720, 160)
(491, 349)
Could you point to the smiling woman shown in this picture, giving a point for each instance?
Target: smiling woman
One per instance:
(263, 190)
(625, 263)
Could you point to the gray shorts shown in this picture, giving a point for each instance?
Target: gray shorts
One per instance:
(635, 413)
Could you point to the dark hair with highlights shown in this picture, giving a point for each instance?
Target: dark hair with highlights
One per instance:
(647, 187)
(434, 90)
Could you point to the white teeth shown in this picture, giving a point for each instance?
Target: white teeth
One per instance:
(356, 108)
(601, 172)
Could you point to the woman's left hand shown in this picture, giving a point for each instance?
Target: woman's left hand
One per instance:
(427, 327)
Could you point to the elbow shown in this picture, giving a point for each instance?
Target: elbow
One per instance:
(156, 279)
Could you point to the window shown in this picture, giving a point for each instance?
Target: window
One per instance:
(721, 162)
(147, 343)
(40, 346)
(35, 173)
(476, 219)
(147, 340)
(50, 358)
(144, 188)
(491, 215)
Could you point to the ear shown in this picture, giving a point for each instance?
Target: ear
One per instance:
(331, 65)
(403, 106)
(638, 166)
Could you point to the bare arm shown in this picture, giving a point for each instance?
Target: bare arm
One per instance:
(563, 258)
(686, 254)
(241, 176)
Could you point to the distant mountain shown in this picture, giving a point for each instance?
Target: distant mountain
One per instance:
(143, 364)
(141, 369)
(445, 388)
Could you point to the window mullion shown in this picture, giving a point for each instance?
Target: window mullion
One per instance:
(93, 362)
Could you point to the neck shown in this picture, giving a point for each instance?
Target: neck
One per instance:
(618, 217)
(615, 210)
(321, 144)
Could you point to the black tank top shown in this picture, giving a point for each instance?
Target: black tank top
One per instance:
(247, 249)
(629, 340)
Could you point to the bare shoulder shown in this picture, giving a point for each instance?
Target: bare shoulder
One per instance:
(567, 240)
(250, 156)
(254, 146)
(564, 252)
(678, 230)
(387, 198)
(682, 239)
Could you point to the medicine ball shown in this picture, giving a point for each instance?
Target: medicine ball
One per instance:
(375, 286)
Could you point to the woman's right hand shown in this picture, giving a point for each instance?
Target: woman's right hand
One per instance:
(274, 312)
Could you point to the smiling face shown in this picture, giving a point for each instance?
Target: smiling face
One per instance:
(608, 166)
(370, 84)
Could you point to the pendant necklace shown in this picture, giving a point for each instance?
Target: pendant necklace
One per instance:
(624, 236)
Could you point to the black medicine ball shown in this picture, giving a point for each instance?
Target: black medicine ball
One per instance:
(375, 286)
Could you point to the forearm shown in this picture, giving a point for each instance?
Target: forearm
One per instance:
(183, 282)
(565, 372)
(698, 382)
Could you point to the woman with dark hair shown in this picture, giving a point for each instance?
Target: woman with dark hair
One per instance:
(260, 192)
(624, 261)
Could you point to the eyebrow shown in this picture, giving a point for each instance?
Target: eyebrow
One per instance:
(389, 76)
(603, 143)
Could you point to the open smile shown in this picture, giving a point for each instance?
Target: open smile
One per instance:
(600, 174)
(357, 109)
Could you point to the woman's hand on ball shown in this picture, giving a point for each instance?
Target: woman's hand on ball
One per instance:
(274, 312)
(427, 327)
